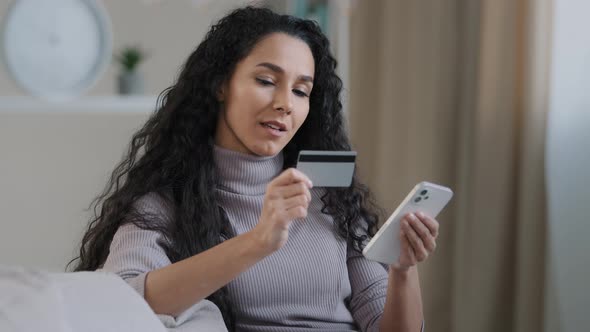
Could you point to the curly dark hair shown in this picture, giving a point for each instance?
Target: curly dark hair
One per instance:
(172, 154)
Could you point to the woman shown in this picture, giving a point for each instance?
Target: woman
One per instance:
(206, 204)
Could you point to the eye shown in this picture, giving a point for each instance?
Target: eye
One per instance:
(300, 93)
(264, 82)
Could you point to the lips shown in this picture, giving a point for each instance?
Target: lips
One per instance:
(275, 125)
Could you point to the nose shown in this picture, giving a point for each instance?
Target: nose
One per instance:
(283, 101)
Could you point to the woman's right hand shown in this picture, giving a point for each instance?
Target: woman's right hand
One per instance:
(287, 198)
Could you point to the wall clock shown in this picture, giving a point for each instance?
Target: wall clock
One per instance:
(57, 49)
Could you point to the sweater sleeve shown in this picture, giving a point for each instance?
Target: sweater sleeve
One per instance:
(368, 281)
(134, 252)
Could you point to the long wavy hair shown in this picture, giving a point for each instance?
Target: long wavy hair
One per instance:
(172, 154)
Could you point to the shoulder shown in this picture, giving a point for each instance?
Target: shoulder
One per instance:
(144, 222)
(155, 205)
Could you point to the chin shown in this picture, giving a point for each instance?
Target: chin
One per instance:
(267, 149)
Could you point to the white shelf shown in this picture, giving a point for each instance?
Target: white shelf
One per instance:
(131, 104)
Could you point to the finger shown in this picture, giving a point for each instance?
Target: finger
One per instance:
(298, 212)
(406, 248)
(299, 200)
(431, 223)
(290, 176)
(415, 241)
(294, 189)
(423, 231)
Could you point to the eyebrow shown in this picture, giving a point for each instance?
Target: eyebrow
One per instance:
(280, 70)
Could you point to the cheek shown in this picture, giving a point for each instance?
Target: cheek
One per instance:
(300, 117)
(241, 106)
(252, 94)
(247, 102)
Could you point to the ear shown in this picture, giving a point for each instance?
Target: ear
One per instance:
(221, 92)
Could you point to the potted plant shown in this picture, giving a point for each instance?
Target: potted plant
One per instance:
(130, 80)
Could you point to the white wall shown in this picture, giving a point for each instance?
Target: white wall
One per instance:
(568, 170)
(52, 165)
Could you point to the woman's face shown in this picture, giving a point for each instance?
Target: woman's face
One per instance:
(266, 99)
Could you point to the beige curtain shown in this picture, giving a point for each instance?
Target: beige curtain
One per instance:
(454, 92)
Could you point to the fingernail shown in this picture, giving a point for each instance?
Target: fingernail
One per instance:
(420, 214)
(310, 183)
(412, 216)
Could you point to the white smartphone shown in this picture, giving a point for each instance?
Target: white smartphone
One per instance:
(426, 197)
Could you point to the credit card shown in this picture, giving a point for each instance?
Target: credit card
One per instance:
(327, 168)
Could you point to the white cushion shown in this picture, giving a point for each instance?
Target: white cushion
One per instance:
(64, 302)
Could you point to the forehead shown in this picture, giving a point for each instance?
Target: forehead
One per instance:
(288, 52)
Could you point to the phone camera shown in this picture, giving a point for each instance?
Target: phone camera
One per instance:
(426, 197)
(417, 199)
(423, 192)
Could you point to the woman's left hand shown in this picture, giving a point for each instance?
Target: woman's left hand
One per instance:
(418, 233)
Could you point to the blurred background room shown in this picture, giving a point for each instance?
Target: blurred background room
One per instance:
(488, 97)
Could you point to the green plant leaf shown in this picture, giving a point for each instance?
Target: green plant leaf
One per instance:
(130, 57)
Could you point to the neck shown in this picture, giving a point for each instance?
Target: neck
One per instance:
(243, 173)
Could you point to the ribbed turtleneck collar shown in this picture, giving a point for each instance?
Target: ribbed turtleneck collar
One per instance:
(245, 174)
